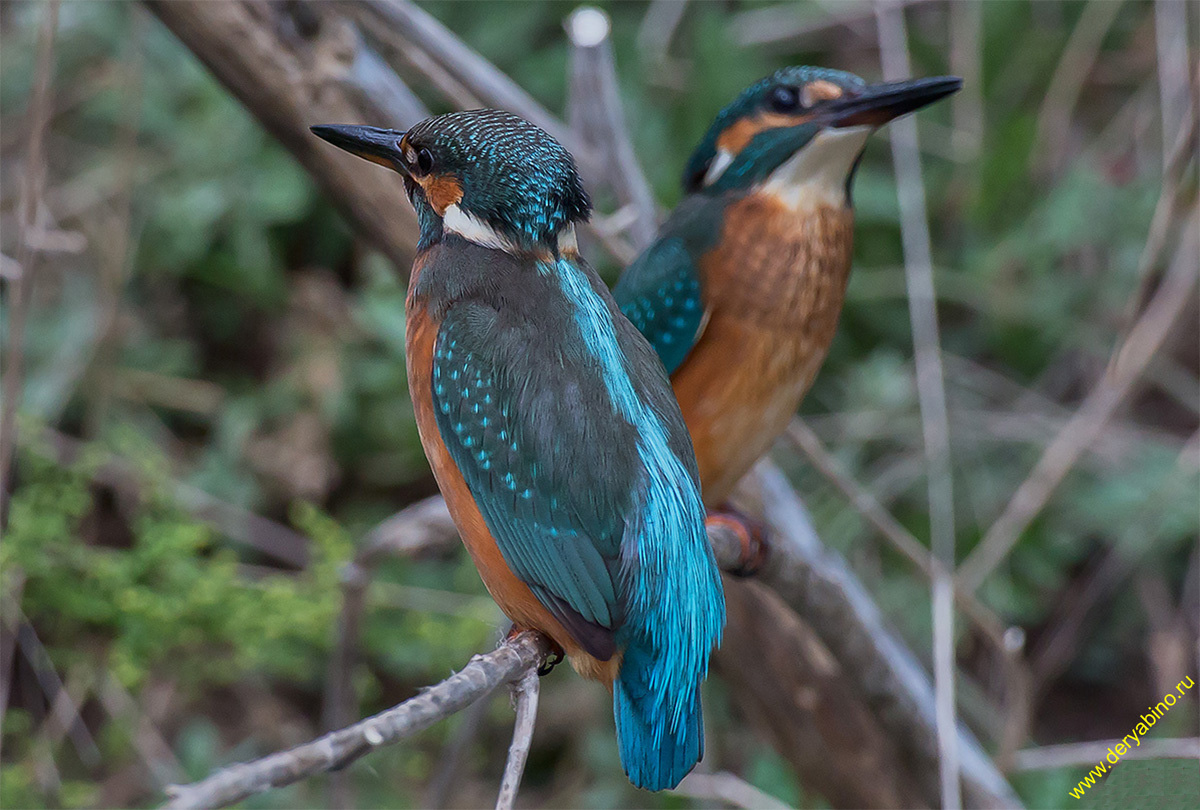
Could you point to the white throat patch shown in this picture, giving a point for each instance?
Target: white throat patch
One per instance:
(816, 175)
(473, 229)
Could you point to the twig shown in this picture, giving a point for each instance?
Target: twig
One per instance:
(10, 620)
(479, 76)
(525, 695)
(155, 752)
(658, 29)
(1046, 757)
(1171, 48)
(21, 288)
(1073, 69)
(931, 392)
(64, 712)
(966, 60)
(1170, 197)
(596, 117)
(728, 788)
(786, 23)
(1168, 303)
(478, 678)
(442, 783)
(901, 538)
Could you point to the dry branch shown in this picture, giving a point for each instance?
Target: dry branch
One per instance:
(511, 660)
(293, 74)
(931, 394)
(1130, 359)
(596, 116)
(525, 695)
(1048, 757)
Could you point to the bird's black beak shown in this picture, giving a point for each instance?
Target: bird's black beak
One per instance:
(377, 145)
(879, 103)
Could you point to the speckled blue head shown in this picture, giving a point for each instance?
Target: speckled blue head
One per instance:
(475, 168)
(776, 117)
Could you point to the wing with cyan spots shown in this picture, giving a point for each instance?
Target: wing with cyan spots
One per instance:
(660, 295)
(547, 461)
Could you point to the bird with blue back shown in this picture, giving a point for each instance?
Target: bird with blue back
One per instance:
(551, 428)
(741, 290)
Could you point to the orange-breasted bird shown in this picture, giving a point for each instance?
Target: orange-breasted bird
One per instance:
(551, 428)
(741, 291)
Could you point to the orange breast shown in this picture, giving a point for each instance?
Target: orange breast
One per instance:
(774, 288)
(511, 594)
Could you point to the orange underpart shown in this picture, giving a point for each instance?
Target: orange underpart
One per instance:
(773, 290)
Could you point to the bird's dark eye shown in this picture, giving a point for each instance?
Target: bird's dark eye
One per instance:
(424, 160)
(784, 98)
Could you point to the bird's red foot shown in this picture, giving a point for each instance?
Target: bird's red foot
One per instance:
(751, 535)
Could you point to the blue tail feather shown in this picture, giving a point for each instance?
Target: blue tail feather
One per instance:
(655, 752)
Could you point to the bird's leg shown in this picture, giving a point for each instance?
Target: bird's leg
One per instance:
(752, 535)
(556, 652)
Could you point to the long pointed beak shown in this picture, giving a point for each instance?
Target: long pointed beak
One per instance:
(377, 145)
(880, 103)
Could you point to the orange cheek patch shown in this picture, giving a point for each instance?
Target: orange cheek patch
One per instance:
(442, 191)
(734, 139)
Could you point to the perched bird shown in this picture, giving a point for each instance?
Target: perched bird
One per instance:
(551, 428)
(741, 291)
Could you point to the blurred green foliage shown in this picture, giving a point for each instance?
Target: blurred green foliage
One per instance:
(244, 344)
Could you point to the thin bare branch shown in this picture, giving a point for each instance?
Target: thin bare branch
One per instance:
(478, 75)
(64, 715)
(442, 784)
(33, 182)
(728, 788)
(931, 392)
(1080, 52)
(1171, 48)
(513, 658)
(597, 118)
(1130, 359)
(901, 538)
(525, 696)
(1047, 757)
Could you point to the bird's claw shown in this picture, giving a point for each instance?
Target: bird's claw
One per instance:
(554, 659)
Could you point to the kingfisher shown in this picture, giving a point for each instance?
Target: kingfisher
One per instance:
(551, 428)
(741, 290)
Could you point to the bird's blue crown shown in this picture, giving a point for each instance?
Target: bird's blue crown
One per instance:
(513, 175)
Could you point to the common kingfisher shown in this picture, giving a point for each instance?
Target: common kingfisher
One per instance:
(741, 291)
(551, 428)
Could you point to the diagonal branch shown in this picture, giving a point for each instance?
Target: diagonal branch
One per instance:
(511, 660)
(1130, 359)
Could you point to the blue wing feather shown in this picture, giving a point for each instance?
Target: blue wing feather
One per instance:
(523, 456)
(660, 294)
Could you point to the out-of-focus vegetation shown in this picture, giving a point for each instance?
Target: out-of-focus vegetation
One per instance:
(202, 318)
